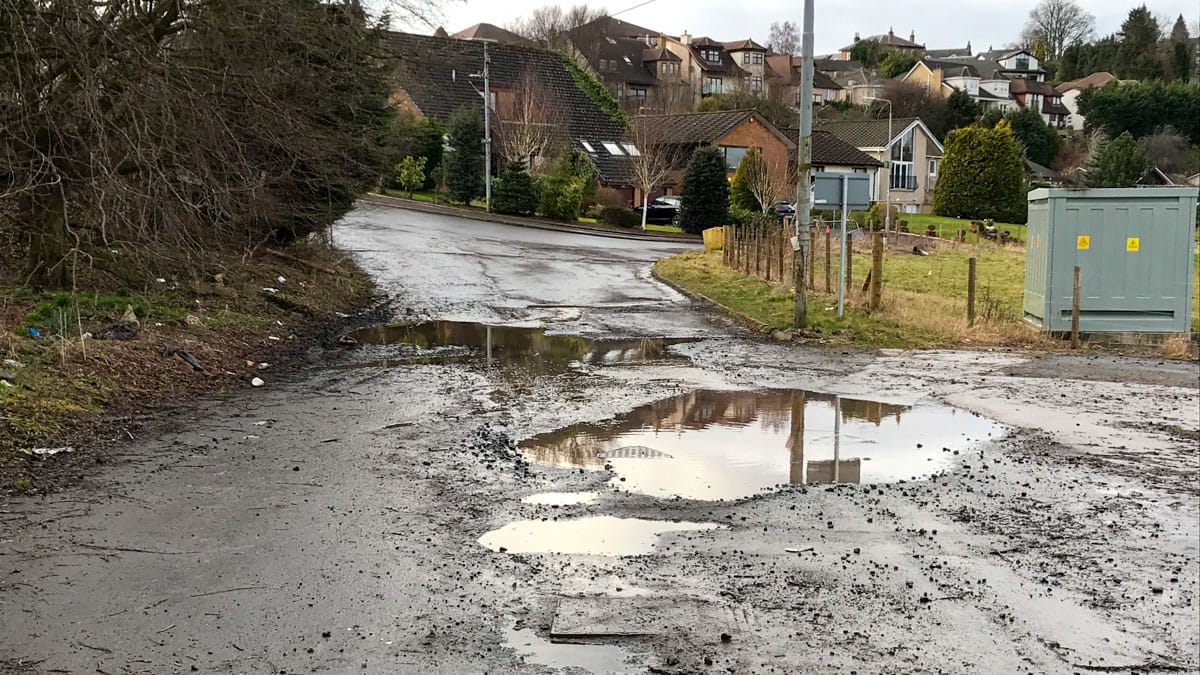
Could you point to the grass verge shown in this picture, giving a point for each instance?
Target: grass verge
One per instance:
(948, 227)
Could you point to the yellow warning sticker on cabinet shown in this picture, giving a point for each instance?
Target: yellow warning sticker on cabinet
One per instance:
(1131, 244)
(1083, 242)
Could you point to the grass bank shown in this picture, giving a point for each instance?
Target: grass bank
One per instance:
(59, 387)
(947, 227)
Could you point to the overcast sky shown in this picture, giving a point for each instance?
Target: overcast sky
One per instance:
(937, 23)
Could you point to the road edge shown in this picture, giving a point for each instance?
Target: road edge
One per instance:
(743, 320)
(518, 221)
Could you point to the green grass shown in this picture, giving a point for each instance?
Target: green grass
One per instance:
(947, 227)
(702, 272)
(663, 228)
(60, 313)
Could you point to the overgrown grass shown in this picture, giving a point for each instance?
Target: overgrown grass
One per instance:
(947, 227)
(60, 313)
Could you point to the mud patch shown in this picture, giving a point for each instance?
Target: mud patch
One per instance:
(595, 658)
(712, 445)
(524, 347)
(596, 535)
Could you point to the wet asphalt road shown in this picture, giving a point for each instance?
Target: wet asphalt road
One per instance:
(329, 523)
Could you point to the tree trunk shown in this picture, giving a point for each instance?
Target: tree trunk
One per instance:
(46, 217)
(644, 201)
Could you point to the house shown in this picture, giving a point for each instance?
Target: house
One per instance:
(856, 86)
(751, 57)
(889, 42)
(434, 78)
(953, 53)
(733, 131)
(709, 66)
(783, 74)
(911, 152)
(1012, 79)
(1042, 97)
(632, 63)
(489, 32)
(1070, 91)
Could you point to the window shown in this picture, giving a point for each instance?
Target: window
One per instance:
(712, 85)
(711, 55)
(756, 58)
(586, 146)
(627, 61)
(756, 82)
(901, 167)
(631, 149)
(637, 94)
(669, 68)
(745, 57)
(1022, 62)
(602, 66)
(933, 166)
(733, 156)
(613, 149)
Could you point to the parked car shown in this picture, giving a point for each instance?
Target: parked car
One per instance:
(784, 209)
(662, 210)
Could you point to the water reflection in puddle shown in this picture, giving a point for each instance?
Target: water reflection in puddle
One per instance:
(597, 535)
(523, 347)
(726, 445)
(596, 659)
(561, 498)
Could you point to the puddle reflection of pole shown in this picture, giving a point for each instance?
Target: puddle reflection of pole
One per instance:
(837, 435)
(795, 441)
(489, 347)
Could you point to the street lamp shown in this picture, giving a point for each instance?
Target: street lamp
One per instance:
(887, 219)
(487, 126)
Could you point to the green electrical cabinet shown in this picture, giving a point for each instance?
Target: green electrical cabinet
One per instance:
(1134, 249)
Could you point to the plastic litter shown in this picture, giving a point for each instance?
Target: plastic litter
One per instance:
(262, 366)
(187, 358)
(33, 332)
(257, 382)
(268, 289)
(50, 452)
(122, 330)
(281, 279)
(13, 363)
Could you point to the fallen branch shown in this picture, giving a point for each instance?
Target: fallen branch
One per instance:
(229, 590)
(301, 261)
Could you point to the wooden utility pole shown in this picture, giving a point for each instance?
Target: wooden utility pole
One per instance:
(804, 159)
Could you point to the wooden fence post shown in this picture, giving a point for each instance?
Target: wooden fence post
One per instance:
(849, 261)
(828, 263)
(1075, 312)
(812, 258)
(876, 270)
(970, 291)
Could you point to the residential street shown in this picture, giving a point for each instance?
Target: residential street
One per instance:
(999, 512)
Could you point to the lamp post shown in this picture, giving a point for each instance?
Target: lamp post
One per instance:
(887, 218)
(487, 126)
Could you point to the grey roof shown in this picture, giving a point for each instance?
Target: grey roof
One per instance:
(606, 39)
(959, 52)
(852, 78)
(836, 65)
(829, 149)
(434, 73)
(487, 31)
(726, 65)
(865, 133)
(889, 41)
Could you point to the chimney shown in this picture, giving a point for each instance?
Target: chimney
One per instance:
(684, 38)
(912, 36)
(891, 36)
(968, 47)
(856, 38)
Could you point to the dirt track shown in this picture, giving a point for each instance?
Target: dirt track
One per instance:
(330, 523)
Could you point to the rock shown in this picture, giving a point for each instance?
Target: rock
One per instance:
(726, 637)
(257, 382)
(782, 335)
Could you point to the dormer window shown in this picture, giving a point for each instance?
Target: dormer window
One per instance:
(756, 58)
(1022, 62)
(711, 55)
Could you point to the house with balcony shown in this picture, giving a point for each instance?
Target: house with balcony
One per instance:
(909, 156)
(1013, 79)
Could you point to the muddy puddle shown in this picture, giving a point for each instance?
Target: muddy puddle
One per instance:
(561, 498)
(524, 347)
(594, 535)
(594, 658)
(711, 445)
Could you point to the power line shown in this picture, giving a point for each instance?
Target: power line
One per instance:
(630, 9)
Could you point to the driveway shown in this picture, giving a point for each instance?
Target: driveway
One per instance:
(610, 479)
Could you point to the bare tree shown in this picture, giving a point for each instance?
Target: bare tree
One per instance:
(1058, 24)
(546, 25)
(651, 168)
(784, 37)
(670, 98)
(530, 121)
(769, 182)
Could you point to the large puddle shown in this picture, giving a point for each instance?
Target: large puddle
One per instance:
(711, 445)
(594, 535)
(594, 658)
(522, 347)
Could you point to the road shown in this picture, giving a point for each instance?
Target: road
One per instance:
(998, 511)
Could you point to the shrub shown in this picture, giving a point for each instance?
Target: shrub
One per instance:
(982, 176)
(877, 216)
(1120, 163)
(1032, 132)
(561, 197)
(410, 173)
(514, 192)
(740, 195)
(705, 191)
(615, 215)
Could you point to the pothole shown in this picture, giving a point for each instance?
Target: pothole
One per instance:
(711, 445)
(524, 347)
(561, 498)
(595, 535)
(595, 658)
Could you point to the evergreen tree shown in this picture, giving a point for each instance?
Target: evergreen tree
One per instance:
(464, 168)
(981, 176)
(1137, 57)
(961, 110)
(1181, 51)
(740, 195)
(1120, 163)
(1035, 136)
(410, 173)
(705, 192)
(1068, 64)
(896, 64)
(513, 192)
(867, 52)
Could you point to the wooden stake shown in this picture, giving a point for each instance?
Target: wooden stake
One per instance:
(876, 270)
(828, 264)
(1075, 312)
(970, 291)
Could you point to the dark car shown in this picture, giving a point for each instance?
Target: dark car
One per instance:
(784, 209)
(662, 210)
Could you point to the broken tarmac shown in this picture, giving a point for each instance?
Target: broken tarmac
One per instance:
(333, 522)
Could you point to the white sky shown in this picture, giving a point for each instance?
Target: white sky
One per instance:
(938, 23)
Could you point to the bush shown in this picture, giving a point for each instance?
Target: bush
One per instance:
(561, 197)
(877, 216)
(1121, 163)
(464, 165)
(614, 215)
(1032, 132)
(982, 176)
(740, 196)
(514, 192)
(705, 191)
